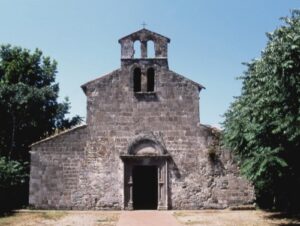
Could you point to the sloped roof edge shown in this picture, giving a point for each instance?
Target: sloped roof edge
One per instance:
(211, 127)
(98, 79)
(59, 134)
(147, 31)
(195, 83)
(111, 73)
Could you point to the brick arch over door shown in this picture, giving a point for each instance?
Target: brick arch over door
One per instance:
(135, 147)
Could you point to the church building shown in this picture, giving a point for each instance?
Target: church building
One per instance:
(143, 146)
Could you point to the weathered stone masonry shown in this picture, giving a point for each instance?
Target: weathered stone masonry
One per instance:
(129, 124)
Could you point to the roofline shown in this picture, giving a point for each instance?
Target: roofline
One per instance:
(195, 83)
(56, 135)
(83, 86)
(211, 127)
(144, 29)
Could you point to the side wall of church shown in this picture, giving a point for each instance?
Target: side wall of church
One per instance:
(203, 175)
(55, 170)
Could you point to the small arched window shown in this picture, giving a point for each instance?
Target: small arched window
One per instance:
(150, 80)
(137, 80)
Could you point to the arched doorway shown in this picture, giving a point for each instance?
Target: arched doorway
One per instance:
(145, 176)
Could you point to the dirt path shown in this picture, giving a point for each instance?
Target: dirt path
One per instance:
(147, 218)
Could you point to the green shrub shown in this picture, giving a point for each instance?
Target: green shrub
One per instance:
(12, 173)
(13, 184)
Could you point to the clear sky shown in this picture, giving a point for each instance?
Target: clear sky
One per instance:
(209, 39)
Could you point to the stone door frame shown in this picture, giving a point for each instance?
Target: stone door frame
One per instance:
(161, 162)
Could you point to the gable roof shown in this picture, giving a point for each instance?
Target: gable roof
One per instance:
(146, 32)
(59, 134)
(187, 79)
(99, 79)
(107, 76)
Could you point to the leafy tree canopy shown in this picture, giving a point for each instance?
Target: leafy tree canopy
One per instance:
(29, 109)
(262, 126)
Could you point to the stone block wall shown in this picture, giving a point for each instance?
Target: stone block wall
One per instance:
(56, 166)
(201, 181)
(82, 168)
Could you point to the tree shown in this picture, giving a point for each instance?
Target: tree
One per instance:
(262, 125)
(29, 109)
(13, 184)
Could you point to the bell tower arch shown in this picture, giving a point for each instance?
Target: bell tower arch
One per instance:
(147, 51)
(144, 36)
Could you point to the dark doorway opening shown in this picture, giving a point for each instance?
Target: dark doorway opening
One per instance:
(145, 187)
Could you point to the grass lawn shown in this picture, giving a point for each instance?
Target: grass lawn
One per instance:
(61, 218)
(234, 218)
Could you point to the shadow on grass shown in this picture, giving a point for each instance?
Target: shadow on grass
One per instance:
(6, 213)
(292, 219)
(13, 198)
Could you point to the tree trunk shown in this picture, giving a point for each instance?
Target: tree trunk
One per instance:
(13, 135)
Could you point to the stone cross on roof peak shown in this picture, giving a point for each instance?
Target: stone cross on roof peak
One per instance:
(144, 24)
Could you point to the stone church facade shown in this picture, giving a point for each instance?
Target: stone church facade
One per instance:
(142, 147)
